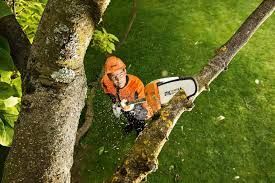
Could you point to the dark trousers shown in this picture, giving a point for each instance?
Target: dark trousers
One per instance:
(133, 123)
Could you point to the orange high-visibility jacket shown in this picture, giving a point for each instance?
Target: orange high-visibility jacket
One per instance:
(133, 90)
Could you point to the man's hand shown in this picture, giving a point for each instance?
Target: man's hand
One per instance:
(126, 107)
(116, 110)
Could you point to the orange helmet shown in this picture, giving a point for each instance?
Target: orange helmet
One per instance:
(113, 64)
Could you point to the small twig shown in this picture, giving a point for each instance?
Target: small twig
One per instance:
(133, 16)
(247, 104)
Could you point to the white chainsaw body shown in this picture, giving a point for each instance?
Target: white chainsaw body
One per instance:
(168, 87)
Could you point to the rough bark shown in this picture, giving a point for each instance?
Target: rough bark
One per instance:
(18, 41)
(54, 93)
(142, 158)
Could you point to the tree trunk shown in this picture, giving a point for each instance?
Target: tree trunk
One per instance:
(142, 158)
(54, 93)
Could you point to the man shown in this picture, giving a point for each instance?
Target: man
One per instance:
(122, 89)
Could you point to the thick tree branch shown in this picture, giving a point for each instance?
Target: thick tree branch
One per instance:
(89, 115)
(19, 43)
(142, 158)
(54, 93)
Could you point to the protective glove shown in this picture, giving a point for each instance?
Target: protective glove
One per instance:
(116, 110)
(126, 107)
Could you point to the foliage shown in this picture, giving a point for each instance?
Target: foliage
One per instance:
(28, 14)
(104, 41)
(4, 9)
(10, 96)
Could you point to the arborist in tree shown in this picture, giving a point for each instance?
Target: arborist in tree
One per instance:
(123, 89)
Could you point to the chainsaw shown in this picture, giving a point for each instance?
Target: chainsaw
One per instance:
(160, 91)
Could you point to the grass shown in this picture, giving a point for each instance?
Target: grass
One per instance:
(179, 37)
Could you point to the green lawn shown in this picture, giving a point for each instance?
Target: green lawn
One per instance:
(180, 36)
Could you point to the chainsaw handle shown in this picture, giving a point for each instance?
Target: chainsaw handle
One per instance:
(138, 101)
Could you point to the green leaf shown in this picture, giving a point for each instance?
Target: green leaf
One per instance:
(6, 63)
(103, 41)
(5, 76)
(11, 101)
(2, 126)
(112, 46)
(17, 85)
(31, 39)
(96, 32)
(109, 50)
(2, 105)
(113, 37)
(2, 131)
(11, 110)
(6, 91)
(9, 134)
(4, 44)
(29, 14)
(9, 118)
(4, 9)
(6, 134)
